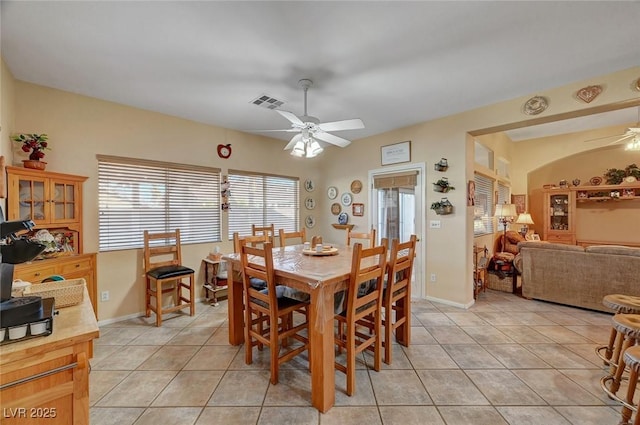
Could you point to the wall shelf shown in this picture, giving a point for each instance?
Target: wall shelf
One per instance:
(342, 226)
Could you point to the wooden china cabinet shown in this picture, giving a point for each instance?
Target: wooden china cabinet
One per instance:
(54, 202)
(559, 216)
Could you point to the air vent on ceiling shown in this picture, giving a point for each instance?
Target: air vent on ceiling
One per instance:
(267, 102)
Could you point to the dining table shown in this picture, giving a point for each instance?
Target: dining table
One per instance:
(321, 276)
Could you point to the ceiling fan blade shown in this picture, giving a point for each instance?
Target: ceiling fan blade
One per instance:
(289, 130)
(330, 138)
(628, 136)
(606, 137)
(295, 139)
(290, 116)
(353, 124)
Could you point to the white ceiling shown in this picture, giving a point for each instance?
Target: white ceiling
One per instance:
(390, 63)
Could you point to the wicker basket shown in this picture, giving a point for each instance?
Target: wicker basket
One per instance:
(496, 283)
(65, 292)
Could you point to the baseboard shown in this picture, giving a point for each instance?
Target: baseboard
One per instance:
(132, 316)
(451, 303)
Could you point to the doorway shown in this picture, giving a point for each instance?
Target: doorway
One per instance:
(396, 197)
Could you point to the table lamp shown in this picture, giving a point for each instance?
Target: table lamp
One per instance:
(505, 214)
(524, 219)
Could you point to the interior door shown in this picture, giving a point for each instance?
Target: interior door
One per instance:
(397, 202)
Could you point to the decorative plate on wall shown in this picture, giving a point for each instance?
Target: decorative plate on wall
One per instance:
(346, 199)
(335, 208)
(356, 186)
(309, 221)
(309, 185)
(309, 203)
(332, 192)
(535, 105)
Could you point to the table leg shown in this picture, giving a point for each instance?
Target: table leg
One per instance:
(403, 332)
(235, 308)
(322, 349)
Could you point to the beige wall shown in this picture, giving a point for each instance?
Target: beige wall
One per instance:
(80, 127)
(7, 102)
(595, 221)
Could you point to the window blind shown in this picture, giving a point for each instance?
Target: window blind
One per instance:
(503, 194)
(390, 181)
(263, 199)
(138, 195)
(483, 208)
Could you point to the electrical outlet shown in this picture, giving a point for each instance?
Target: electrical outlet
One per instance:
(433, 277)
(104, 296)
(434, 224)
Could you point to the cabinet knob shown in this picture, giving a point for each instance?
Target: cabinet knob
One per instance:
(37, 274)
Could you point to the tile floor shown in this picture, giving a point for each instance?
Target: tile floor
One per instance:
(506, 360)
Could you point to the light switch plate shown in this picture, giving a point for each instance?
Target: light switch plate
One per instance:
(434, 224)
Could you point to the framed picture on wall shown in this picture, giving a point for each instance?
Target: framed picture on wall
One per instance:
(358, 210)
(396, 153)
(520, 202)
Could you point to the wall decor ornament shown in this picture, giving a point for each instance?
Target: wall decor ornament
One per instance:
(225, 193)
(309, 185)
(332, 192)
(396, 153)
(535, 105)
(309, 203)
(357, 210)
(224, 151)
(356, 186)
(336, 208)
(587, 94)
(441, 165)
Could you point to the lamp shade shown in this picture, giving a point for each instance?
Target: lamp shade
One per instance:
(524, 218)
(505, 210)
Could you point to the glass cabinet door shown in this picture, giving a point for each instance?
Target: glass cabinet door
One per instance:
(63, 200)
(559, 212)
(32, 200)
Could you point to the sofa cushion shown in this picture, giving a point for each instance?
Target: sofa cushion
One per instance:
(614, 249)
(551, 246)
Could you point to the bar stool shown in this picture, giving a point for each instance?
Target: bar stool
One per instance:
(621, 304)
(629, 326)
(632, 360)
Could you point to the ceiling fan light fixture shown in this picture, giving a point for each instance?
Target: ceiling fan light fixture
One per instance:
(313, 149)
(299, 150)
(633, 145)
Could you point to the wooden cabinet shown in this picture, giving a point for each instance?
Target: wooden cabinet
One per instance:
(52, 200)
(70, 267)
(46, 380)
(559, 216)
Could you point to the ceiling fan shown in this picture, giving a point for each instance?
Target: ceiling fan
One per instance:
(631, 136)
(310, 129)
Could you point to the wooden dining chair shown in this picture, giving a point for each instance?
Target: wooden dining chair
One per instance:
(370, 237)
(269, 318)
(397, 294)
(367, 265)
(268, 231)
(253, 240)
(164, 273)
(283, 236)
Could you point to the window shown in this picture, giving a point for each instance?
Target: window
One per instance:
(502, 168)
(135, 195)
(483, 155)
(263, 199)
(503, 194)
(483, 208)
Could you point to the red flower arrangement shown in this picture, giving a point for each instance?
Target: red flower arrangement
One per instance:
(36, 143)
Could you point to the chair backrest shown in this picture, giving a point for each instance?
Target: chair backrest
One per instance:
(400, 266)
(257, 262)
(302, 235)
(369, 274)
(268, 231)
(371, 237)
(252, 240)
(160, 254)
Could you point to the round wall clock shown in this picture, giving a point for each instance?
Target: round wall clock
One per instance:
(309, 203)
(335, 208)
(332, 192)
(309, 221)
(346, 199)
(309, 185)
(356, 186)
(224, 151)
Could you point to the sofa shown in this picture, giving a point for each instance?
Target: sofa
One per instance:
(578, 276)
